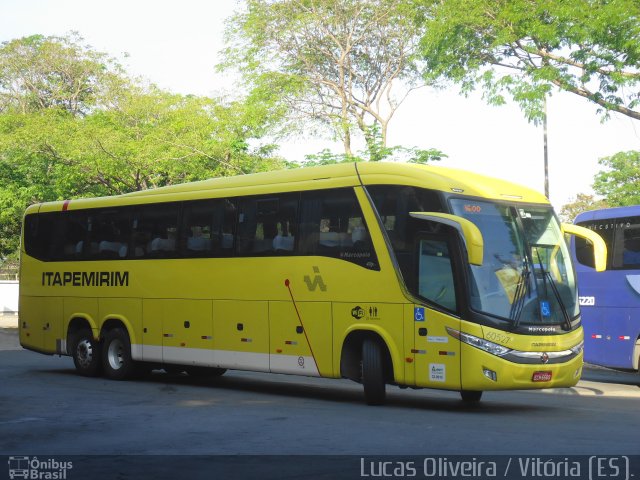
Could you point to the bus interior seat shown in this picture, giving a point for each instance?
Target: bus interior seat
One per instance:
(198, 244)
(283, 244)
(93, 248)
(112, 249)
(335, 239)
(162, 245)
(358, 234)
(227, 241)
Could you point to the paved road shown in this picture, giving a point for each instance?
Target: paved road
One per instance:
(45, 408)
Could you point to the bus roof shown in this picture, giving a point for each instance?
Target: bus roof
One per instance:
(607, 213)
(329, 176)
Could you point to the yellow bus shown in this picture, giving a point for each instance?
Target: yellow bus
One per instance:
(382, 273)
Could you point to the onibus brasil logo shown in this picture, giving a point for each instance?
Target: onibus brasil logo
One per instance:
(33, 468)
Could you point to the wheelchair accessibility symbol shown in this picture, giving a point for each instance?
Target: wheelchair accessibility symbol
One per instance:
(418, 314)
(545, 309)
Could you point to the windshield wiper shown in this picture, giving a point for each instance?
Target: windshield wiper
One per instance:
(556, 293)
(519, 296)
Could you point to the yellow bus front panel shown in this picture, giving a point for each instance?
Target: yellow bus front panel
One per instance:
(512, 376)
(484, 371)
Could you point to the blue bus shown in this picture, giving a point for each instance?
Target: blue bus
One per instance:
(610, 300)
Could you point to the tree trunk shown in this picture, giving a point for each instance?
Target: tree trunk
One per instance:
(346, 141)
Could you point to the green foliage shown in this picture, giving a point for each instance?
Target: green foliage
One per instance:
(327, 157)
(376, 152)
(39, 72)
(525, 48)
(84, 129)
(619, 182)
(155, 138)
(581, 203)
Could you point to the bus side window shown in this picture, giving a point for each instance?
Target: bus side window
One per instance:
(247, 227)
(32, 242)
(224, 227)
(332, 225)
(109, 235)
(435, 273)
(208, 228)
(283, 242)
(584, 250)
(155, 229)
(394, 203)
(631, 244)
(76, 227)
(197, 221)
(44, 236)
(266, 225)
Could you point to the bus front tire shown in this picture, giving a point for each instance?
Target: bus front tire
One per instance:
(373, 377)
(85, 351)
(116, 355)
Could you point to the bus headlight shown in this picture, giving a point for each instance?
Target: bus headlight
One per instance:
(481, 343)
(578, 348)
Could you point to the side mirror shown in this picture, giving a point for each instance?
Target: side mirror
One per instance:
(471, 234)
(599, 247)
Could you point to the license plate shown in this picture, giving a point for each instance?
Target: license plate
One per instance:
(541, 377)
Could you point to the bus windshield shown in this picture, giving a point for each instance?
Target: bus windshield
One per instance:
(526, 276)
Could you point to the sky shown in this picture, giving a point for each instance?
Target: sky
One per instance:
(176, 45)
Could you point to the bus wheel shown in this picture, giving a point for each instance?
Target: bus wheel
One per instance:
(205, 372)
(116, 355)
(373, 378)
(85, 351)
(471, 396)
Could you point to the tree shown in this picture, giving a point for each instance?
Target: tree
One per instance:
(619, 182)
(335, 63)
(39, 72)
(582, 203)
(376, 152)
(33, 168)
(524, 48)
(93, 132)
(155, 138)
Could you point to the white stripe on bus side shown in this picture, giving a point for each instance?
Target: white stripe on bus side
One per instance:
(260, 362)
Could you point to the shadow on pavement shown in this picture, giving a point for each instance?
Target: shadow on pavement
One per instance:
(594, 373)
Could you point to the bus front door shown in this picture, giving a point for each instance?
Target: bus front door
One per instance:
(436, 355)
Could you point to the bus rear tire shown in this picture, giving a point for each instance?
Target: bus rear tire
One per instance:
(116, 355)
(471, 396)
(85, 351)
(373, 375)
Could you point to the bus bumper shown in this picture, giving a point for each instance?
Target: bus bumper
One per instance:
(483, 371)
